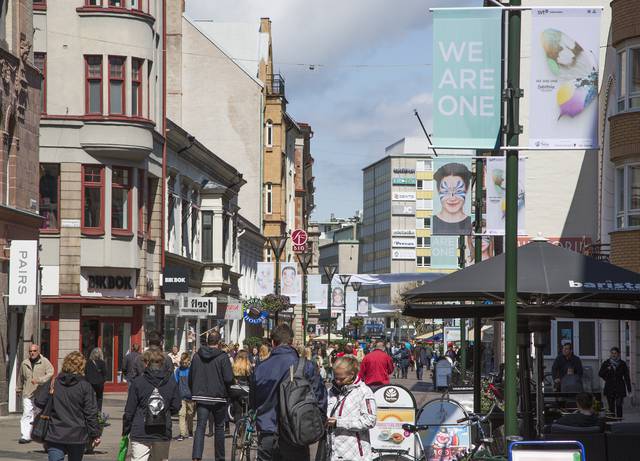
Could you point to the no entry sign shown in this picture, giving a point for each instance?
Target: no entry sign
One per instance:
(299, 240)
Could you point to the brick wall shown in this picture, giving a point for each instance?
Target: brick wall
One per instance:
(625, 136)
(69, 330)
(70, 208)
(625, 21)
(625, 249)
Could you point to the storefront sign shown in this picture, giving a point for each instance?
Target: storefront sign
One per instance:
(404, 181)
(398, 196)
(403, 242)
(403, 254)
(395, 406)
(404, 170)
(199, 307)
(403, 233)
(108, 282)
(233, 312)
(253, 311)
(23, 272)
(403, 210)
(467, 53)
(577, 244)
(175, 280)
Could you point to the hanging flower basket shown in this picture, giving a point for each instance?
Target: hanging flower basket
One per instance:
(276, 303)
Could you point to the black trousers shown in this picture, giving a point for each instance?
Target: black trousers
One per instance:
(615, 405)
(203, 411)
(271, 448)
(99, 390)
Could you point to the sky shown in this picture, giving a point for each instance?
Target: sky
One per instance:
(354, 71)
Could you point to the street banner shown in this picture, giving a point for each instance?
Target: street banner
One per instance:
(265, 279)
(444, 252)
(467, 53)
(337, 295)
(565, 51)
(290, 282)
(452, 207)
(496, 186)
(352, 302)
(363, 306)
(23, 262)
(314, 290)
(488, 249)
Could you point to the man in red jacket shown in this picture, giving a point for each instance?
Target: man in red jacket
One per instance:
(376, 367)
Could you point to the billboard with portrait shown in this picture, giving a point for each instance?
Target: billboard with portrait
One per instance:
(452, 204)
(290, 282)
(265, 278)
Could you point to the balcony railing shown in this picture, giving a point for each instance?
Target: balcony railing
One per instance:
(277, 85)
(598, 251)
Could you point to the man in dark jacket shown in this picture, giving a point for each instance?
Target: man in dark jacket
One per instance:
(210, 375)
(154, 340)
(402, 357)
(130, 360)
(150, 440)
(423, 359)
(264, 396)
(563, 362)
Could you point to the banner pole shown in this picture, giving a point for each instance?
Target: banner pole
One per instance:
(477, 321)
(513, 92)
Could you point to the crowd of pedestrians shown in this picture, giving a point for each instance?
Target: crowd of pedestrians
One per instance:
(316, 392)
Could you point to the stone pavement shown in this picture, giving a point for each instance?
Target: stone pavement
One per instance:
(180, 451)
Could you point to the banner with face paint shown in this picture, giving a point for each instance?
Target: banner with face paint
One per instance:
(565, 52)
(452, 202)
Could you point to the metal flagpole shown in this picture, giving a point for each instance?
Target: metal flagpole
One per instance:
(477, 322)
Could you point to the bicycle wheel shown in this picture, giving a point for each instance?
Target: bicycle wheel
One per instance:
(238, 447)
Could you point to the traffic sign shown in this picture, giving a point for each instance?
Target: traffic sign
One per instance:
(299, 240)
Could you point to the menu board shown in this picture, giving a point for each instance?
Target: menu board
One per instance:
(395, 407)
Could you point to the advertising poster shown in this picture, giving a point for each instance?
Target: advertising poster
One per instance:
(452, 206)
(352, 302)
(496, 186)
(395, 407)
(488, 249)
(447, 439)
(314, 290)
(337, 295)
(565, 51)
(401, 254)
(467, 51)
(265, 278)
(363, 306)
(444, 252)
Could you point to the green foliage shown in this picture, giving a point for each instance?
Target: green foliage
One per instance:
(275, 303)
(253, 341)
(356, 322)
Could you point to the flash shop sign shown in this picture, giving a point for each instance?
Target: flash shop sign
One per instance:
(199, 307)
(23, 272)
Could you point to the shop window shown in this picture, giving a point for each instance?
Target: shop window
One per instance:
(93, 199)
(116, 85)
(40, 62)
(93, 85)
(627, 196)
(120, 200)
(136, 87)
(50, 196)
(207, 236)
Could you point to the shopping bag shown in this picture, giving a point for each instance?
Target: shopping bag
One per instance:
(124, 448)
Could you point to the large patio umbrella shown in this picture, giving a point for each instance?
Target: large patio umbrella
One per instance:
(552, 281)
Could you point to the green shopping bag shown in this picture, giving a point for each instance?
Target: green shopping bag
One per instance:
(124, 448)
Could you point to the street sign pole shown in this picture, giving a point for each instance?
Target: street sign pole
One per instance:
(513, 92)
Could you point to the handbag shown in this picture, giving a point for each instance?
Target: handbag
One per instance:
(41, 421)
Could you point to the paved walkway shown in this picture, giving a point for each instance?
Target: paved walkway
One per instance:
(180, 451)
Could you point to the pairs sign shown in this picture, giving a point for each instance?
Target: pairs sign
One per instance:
(23, 272)
(467, 51)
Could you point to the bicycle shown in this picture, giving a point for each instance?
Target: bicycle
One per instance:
(245, 440)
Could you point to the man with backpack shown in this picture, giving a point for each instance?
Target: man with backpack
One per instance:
(152, 399)
(210, 375)
(290, 400)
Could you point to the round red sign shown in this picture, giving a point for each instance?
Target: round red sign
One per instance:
(299, 237)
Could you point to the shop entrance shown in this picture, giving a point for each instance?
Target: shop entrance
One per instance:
(114, 338)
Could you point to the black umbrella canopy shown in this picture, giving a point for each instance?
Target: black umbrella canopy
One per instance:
(546, 274)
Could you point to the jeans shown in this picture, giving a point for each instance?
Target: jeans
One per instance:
(405, 371)
(614, 405)
(28, 413)
(202, 412)
(419, 372)
(271, 448)
(56, 451)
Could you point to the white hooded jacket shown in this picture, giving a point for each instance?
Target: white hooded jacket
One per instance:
(354, 408)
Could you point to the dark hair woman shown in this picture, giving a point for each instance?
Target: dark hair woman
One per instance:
(617, 383)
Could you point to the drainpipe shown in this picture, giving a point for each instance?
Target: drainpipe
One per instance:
(164, 132)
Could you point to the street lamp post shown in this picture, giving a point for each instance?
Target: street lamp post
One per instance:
(277, 246)
(344, 278)
(329, 271)
(305, 261)
(356, 287)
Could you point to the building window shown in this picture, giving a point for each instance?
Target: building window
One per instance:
(171, 187)
(424, 165)
(141, 184)
(120, 200)
(115, 3)
(39, 5)
(424, 184)
(424, 204)
(186, 211)
(152, 186)
(423, 223)
(93, 198)
(93, 2)
(269, 133)
(93, 91)
(136, 87)
(268, 198)
(40, 62)
(423, 261)
(423, 242)
(50, 196)
(207, 236)
(629, 79)
(136, 4)
(116, 85)
(195, 215)
(628, 196)
(582, 334)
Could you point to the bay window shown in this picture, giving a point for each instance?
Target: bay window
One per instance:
(93, 199)
(120, 200)
(116, 85)
(136, 87)
(207, 236)
(93, 84)
(629, 79)
(627, 196)
(50, 196)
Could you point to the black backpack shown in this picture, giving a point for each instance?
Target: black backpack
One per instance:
(156, 412)
(300, 419)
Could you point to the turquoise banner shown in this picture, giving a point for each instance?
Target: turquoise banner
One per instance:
(467, 48)
(444, 252)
